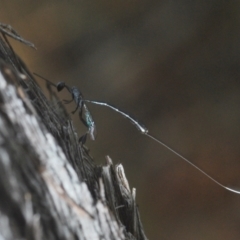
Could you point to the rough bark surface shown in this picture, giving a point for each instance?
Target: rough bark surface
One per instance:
(50, 188)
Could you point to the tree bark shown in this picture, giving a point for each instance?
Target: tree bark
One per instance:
(49, 185)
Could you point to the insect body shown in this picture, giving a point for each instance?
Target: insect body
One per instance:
(88, 121)
(84, 113)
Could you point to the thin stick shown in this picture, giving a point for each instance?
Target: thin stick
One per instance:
(8, 30)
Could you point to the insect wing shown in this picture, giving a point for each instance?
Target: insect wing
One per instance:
(90, 123)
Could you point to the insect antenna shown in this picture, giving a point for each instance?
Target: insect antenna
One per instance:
(49, 82)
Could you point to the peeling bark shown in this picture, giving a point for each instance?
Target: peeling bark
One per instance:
(49, 185)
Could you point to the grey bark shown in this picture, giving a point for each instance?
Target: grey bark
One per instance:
(50, 188)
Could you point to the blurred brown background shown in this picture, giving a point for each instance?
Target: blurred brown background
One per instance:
(175, 65)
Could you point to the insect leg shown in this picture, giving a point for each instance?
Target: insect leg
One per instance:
(79, 105)
(67, 101)
(49, 82)
(83, 139)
